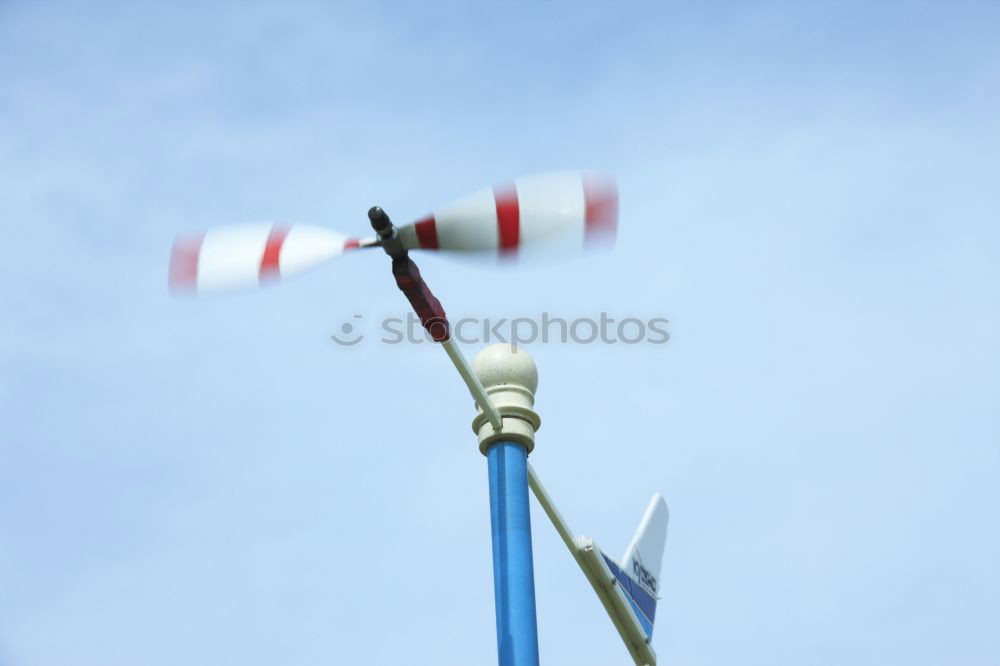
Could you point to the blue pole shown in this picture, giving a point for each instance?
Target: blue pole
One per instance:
(513, 571)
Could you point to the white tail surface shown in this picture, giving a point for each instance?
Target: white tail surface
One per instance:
(644, 555)
(248, 255)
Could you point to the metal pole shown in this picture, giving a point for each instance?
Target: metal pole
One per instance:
(509, 378)
(513, 572)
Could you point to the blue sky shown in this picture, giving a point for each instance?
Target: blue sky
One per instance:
(808, 194)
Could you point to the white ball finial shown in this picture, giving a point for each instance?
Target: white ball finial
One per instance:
(510, 378)
(505, 364)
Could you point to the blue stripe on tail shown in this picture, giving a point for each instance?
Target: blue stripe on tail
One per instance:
(642, 602)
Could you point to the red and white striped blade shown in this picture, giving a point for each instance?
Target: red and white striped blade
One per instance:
(249, 255)
(547, 212)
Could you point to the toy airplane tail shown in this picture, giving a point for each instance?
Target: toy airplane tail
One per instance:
(642, 561)
(629, 589)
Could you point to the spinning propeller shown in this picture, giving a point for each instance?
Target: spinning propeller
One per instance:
(548, 212)
(567, 210)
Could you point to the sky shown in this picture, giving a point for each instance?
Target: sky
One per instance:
(808, 194)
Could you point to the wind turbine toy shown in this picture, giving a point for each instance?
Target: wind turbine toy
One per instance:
(534, 215)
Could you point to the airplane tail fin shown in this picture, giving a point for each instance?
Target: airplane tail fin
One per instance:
(629, 590)
(644, 555)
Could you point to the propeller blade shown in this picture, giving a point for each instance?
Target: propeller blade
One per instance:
(554, 211)
(248, 255)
